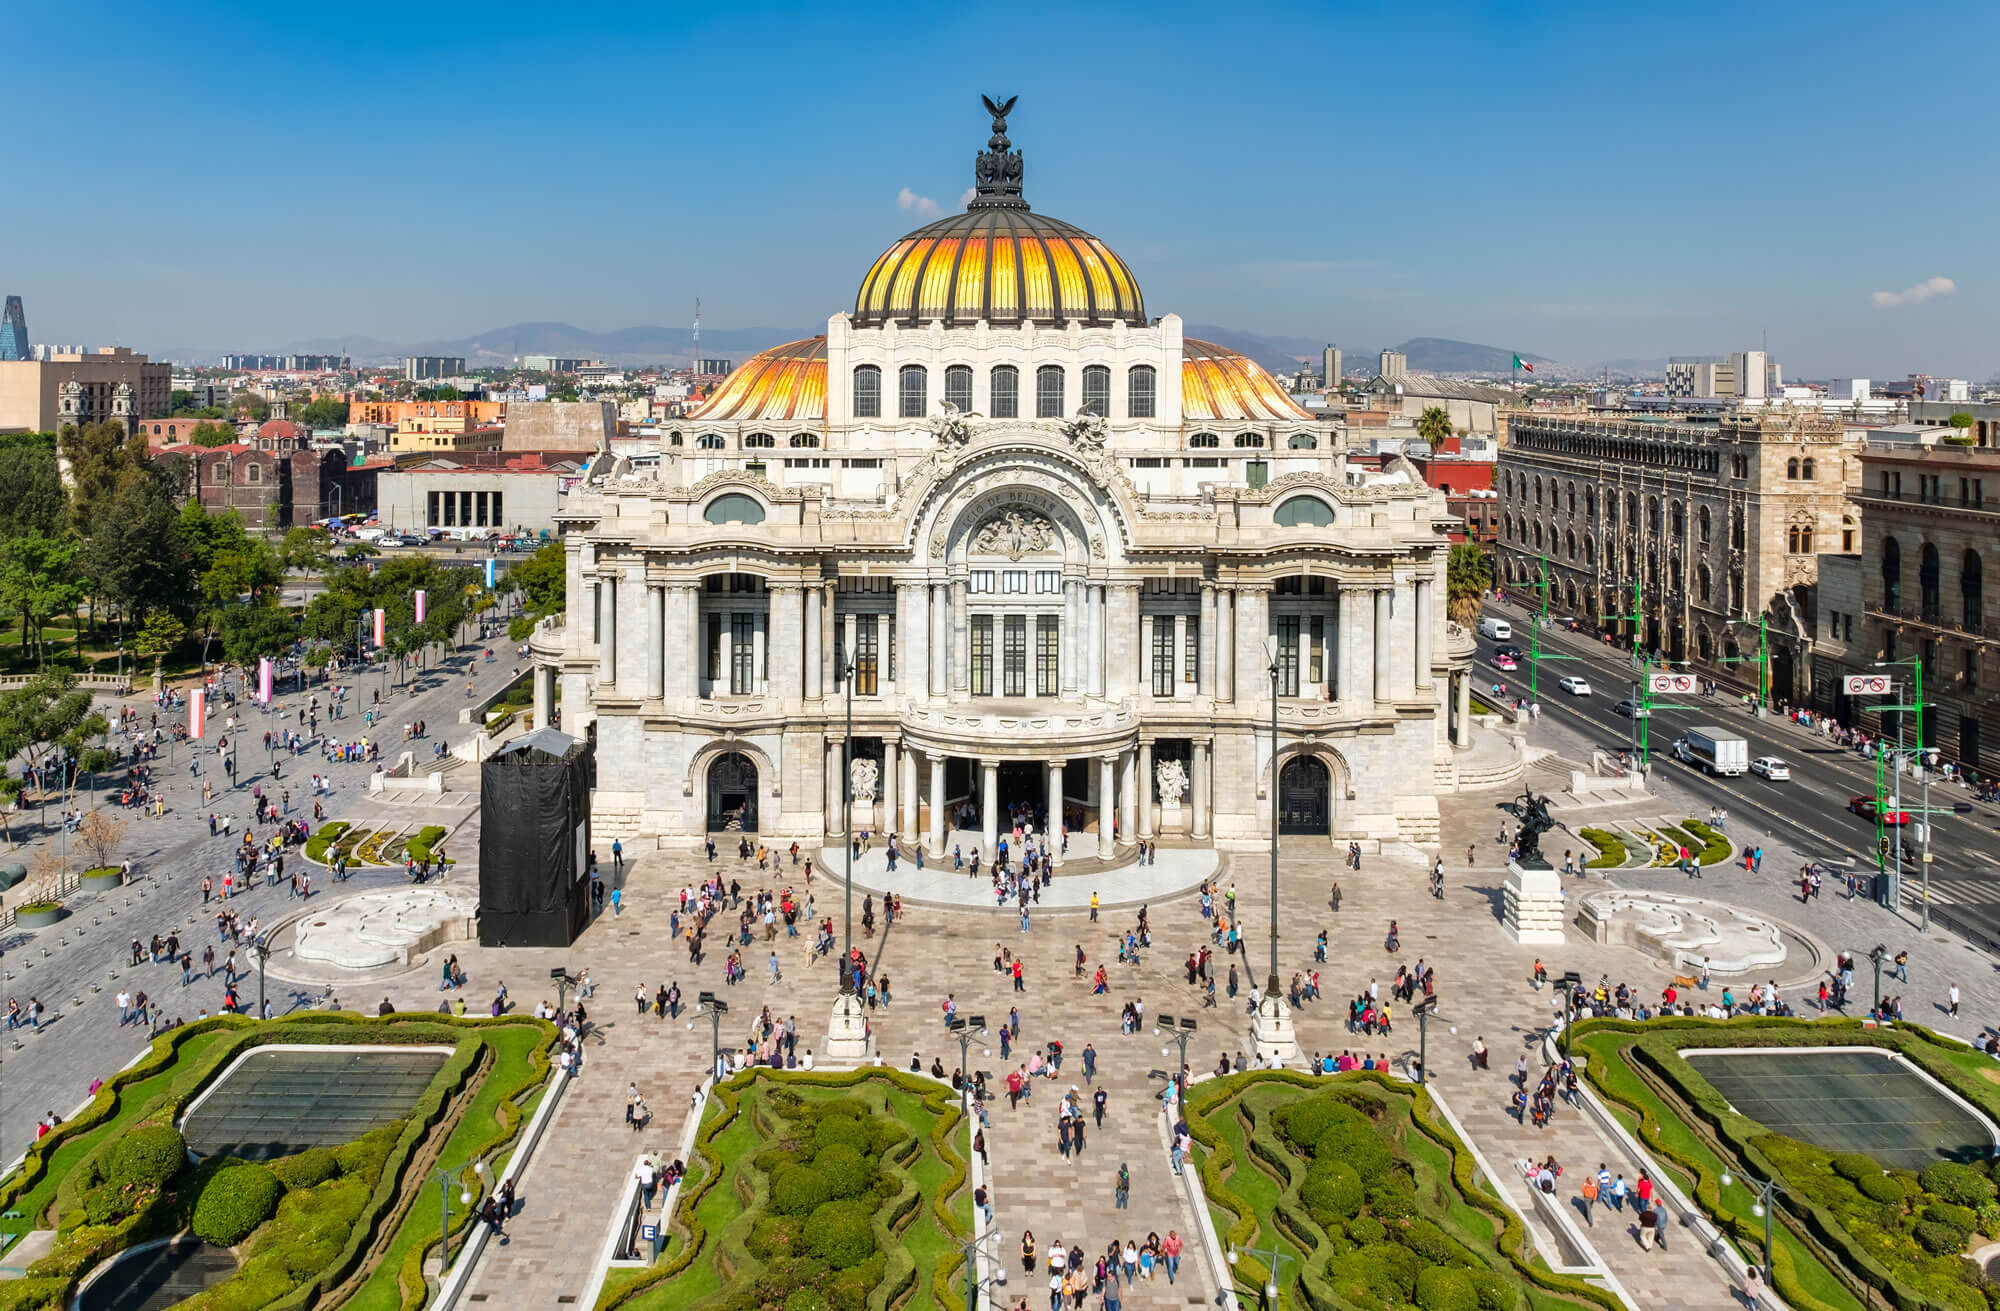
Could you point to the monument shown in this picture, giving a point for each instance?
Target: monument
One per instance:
(1532, 898)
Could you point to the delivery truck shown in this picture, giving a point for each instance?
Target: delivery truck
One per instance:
(1715, 750)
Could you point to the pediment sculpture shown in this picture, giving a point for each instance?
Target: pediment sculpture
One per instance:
(1171, 778)
(1086, 432)
(1015, 534)
(951, 426)
(863, 775)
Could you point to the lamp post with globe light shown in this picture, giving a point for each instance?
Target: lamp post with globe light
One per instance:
(1767, 1194)
(1276, 1260)
(445, 1177)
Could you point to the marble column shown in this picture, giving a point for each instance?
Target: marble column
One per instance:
(1422, 606)
(1205, 667)
(913, 674)
(813, 626)
(607, 631)
(1145, 790)
(1128, 795)
(1181, 684)
(908, 826)
(1382, 643)
(961, 639)
(1054, 834)
(836, 766)
(1106, 792)
(545, 694)
(1094, 653)
(1225, 644)
(656, 640)
(828, 618)
(684, 618)
(1198, 785)
(936, 843)
(891, 778)
(937, 618)
(1121, 635)
(1072, 637)
(1464, 738)
(787, 641)
(1251, 631)
(1145, 661)
(989, 808)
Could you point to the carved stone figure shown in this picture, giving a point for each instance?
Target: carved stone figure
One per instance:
(1015, 534)
(1533, 812)
(863, 774)
(1086, 432)
(1170, 776)
(952, 426)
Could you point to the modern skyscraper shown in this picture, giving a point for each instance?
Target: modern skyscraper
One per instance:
(14, 331)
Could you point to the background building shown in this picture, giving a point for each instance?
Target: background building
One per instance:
(14, 332)
(420, 368)
(1329, 373)
(552, 364)
(560, 425)
(1744, 376)
(270, 488)
(110, 383)
(477, 494)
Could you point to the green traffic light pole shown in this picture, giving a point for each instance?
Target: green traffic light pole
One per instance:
(1899, 754)
(1536, 623)
(1763, 659)
(1642, 689)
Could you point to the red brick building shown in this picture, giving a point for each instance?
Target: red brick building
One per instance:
(275, 488)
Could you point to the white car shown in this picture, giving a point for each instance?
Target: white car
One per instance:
(1770, 767)
(1573, 685)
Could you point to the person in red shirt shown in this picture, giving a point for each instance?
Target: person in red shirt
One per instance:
(1013, 1089)
(1645, 1191)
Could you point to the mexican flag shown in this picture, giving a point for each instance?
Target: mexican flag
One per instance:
(1520, 363)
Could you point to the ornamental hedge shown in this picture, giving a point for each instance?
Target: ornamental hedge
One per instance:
(235, 1200)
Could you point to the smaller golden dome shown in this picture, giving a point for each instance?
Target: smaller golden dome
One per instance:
(784, 384)
(1218, 385)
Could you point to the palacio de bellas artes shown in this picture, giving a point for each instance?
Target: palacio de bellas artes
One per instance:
(1048, 555)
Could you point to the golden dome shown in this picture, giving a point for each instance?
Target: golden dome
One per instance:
(1218, 385)
(785, 383)
(999, 262)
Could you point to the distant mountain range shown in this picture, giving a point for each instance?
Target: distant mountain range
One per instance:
(651, 344)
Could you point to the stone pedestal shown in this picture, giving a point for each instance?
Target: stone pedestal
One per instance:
(847, 1040)
(1171, 818)
(1533, 910)
(1271, 1032)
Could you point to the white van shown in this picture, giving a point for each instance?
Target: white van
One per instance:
(1497, 629)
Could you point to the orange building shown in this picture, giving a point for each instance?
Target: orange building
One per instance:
(439, 416)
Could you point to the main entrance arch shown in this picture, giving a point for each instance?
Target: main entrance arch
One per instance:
(1304, 797)
(732, 794)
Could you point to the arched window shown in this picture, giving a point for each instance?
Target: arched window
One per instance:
(1005, 384)
(1049, 392)
(1569, 545)
(1538, 489)
(710, 441)
(1139, 391)
(1538, 534)
(734, 507)
(254, 473)
(1792, 469)
(759, 441)
(1204, 441)
(912, 391)
(1304, 512)
(1653, 515)
(958, 386)
(1632, 508)
(1704, 645)
(1736, 528)
(1846, 533)
(1736, 589)
(1097, 389)
(1305, 441)
(1249, 440)
(1971, 591)
(1806, 468)
(1701, 523)
(1680, 521)
(1571, 488)
(867, 392)
(1590, 551)
(1590, 502)
(1927, 581)
(1611, 510)
(804, 441)
(1892, 575)
(674, 438)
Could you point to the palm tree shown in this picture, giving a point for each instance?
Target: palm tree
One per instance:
(1467, 574)
(1434, 425)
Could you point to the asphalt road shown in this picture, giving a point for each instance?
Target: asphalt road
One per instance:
(1809, 810)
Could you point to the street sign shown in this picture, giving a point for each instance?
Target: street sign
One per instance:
(649, 1233)
(1868, 685)
(1671, 684)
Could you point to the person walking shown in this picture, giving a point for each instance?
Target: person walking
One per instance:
(1589, 1191)
(1953, 995)
(1123, 1190)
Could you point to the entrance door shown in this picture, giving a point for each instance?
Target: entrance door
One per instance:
(1022, 783)
(1303, 790)
(732, 794)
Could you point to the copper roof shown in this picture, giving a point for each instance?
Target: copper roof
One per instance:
(786, 384)
(1000, 265)
(1218, 385)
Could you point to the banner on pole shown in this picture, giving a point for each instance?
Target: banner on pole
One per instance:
(381, 628)
(422, 597)
(1869, 684)
(264, 679)
(489, 573)
(197, 714)
(1671, 684)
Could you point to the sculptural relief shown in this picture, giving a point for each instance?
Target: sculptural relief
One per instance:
(1170, 776)
(1015, 534)
(863, 774)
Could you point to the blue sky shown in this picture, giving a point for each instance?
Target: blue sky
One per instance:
(1583, 181)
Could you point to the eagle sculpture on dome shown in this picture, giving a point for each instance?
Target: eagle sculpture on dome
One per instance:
(999, 111)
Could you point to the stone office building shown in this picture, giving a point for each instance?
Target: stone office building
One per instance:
(1055, 556)
(1720, 521)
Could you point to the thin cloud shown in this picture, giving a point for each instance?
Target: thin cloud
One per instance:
(965, 197)
(1917, 295)
(910, 200)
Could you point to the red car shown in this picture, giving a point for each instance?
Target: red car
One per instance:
(1865, 807)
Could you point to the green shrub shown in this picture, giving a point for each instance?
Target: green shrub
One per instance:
(1303, 1122)
(846, 1172)
(1714, 847)
(1440, 1288)
(420, 847)
(1430, 1242)
(1610, 848)
(1356, 1142)
(146, 1157)
(328, 834)
(1392, 1269)
(776, 1237)
(799, 1190)
(315, 1165)
(104, 1204)
(1333, 1187)
(842, 1234)
(235, 1201)
(842, 1130)
(1852, 1166)
(1494, 1292)
(1962, 1185)
(1938, 1239)
(1366, 1229)
(1879, 1187)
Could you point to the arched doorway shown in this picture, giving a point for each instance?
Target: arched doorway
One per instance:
(1304, 792)
(732, 794)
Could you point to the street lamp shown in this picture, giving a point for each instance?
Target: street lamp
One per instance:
(1276, 1259)
(1177, 1032)
(562, 979)
(847, 822)
(444, 1178)
(260, 947)
(975, 1247)
(1766, 1201)
(1878, 955)
(715, 1008)
(1569, 982)
(1425, 1009)
(1271, 984)
(963, 1030)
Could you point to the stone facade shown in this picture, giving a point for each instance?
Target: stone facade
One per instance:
(1719, 522)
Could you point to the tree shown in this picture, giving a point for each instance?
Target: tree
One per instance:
(304, 551)
(48, 714)
(35, 497)
(256, 630)
(324, 412)
(180, 401)
(541, 579)
(38, 581)
(1960, 421)
(163, 632)
(1434, 426)
(133, 551)
(99, 456)
(99, 835)
(249, 405)
(209, 433)
(1467, 574)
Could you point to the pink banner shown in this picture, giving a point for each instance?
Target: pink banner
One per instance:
(421, 607)
(197, 714)
(264, 680)
(381, 628)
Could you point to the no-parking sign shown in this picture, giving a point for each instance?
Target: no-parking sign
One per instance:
(1868, 685)
(1672, 684)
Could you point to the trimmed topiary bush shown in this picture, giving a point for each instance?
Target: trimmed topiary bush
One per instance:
(799, 1190)
(842, 1130)
(1938, 1239)
(1356, 1142)
(1441, 1288)
(1879, 1187)
(235, 1201)
(842, 1234)
(1961, 1185)
(1430, 1242)
(146, 1157)
(846, 1171)
(1332, 1187)
(315, 1165)
(1854, 1167)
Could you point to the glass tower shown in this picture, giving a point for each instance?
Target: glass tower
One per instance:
(13, 331)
